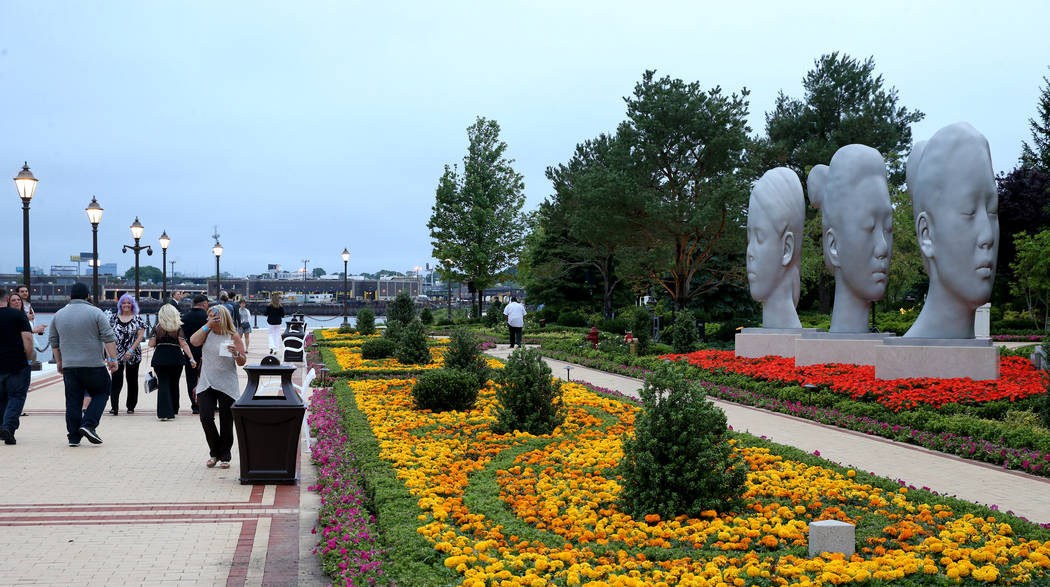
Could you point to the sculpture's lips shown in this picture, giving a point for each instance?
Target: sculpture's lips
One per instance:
(985, 271)
(879, 275)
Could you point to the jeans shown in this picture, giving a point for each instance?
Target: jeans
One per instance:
(515, 335)
(167, 390)
(219, 441)
(94, 381)
(13, 390)
(132, 372)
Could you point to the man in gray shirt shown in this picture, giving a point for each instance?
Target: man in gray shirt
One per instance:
(86, 352)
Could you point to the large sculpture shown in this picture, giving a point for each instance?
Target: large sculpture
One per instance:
(955, 206)
(775, 217)
(857, 222)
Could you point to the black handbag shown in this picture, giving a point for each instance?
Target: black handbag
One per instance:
(151, 382)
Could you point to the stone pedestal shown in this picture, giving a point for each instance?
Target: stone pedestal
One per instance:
(832, 536)
(982, 321)
(907, 358)
(762, 342)
(850, 348)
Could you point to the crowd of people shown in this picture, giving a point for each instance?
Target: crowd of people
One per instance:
(99, 356)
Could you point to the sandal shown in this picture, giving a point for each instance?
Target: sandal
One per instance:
(224, 465)
(211, 462)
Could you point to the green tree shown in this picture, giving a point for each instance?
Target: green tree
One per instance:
(402, 309)
(1024, 204)
(146, 273)
(366, 321)
(1037, 155)
(1031, 269)
(318, 272)
(907, 274)
(477, 220)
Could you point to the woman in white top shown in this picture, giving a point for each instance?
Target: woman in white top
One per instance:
(221, 353)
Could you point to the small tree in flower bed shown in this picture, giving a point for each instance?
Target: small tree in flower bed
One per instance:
(379, 348)
(445, 389)
(529, 398)
(412, 347)
(463, 352)
(679, 459)
(366, 321)
(402, 309)
(686, 335)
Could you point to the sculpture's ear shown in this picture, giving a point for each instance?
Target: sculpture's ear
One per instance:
(831, 247)
(787, 243)
(924, 232)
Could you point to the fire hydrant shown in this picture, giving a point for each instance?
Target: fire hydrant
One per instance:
(592, 336)
(631, 342)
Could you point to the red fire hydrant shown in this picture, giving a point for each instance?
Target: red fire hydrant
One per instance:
(592, 336)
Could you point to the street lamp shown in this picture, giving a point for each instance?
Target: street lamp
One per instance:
(305, 261)
(164, 242)
(136, 233)
(217, 250)
(26, 185)
(94, 213)
(346, 264)
(448, 278)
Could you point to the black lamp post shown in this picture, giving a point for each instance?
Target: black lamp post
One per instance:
(346, 265)
(217, 250)
(136, 233)
(26, 185)
(164, 242)
(448, 278)
(94, 212)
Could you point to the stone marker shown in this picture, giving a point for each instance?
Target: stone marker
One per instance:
(832, 536)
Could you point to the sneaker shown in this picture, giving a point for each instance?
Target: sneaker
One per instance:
(7, 435)
(74, 444)
(90, 435)
(131, 411)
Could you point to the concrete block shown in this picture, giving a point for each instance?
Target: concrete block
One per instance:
(827, 347)
(832, 536)
(982, 321)
(908, 358)
(762, 342)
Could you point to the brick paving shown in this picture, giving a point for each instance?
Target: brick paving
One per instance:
(141, 508)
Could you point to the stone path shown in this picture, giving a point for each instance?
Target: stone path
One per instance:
(1025, 495)
(141, 508)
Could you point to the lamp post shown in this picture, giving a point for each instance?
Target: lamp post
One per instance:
(172, 269)
(217, 250)
(94, 213)
(136, 233)
(305, 261)
(26, 185)
(448, 278)
(346, 265)
(164, 242)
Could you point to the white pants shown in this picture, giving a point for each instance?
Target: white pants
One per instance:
(274, 330)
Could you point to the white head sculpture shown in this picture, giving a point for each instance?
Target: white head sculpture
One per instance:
(857, 222)
(955, 205)
(775, 217)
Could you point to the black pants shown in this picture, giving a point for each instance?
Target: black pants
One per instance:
(192, 376)
(219, 441)
(93, 381)
(131, 371)
(167, 390)
(515, 335)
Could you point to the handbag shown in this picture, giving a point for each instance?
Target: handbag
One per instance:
(151, 382)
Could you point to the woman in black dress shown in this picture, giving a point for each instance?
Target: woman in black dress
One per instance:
(170, 352)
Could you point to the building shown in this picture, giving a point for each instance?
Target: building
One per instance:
(359, 288)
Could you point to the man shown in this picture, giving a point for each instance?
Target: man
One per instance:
(192, 321)
(16, 356)
(176, 298)
(515, 314)
(224, 299)
(23, 292)
(86, 353)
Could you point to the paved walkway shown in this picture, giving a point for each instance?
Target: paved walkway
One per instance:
(142, 509)
(1026, 495)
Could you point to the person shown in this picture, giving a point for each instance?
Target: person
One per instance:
(274, 316)
(192, 321)
(244, 325)
(17, 302)
(171, 352)
(16, 356)
(857, 220)
(224, 299)
(515, 313)
(85, 352)
(176, 298)
(776, 213)
(23, 294)
(955, 208)
(222, 351)
(129, 329)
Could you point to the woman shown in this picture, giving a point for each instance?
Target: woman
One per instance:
(169, 355)
(274, 316)
(222, 351)
(15, 301)
(129, 330)
(244, 326)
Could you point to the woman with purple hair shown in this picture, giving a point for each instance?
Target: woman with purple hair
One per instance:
(129, 330)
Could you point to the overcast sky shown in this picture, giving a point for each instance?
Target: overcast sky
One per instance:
(300, 128)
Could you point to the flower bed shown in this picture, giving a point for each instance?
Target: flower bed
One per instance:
(518, 509)
(1017, 380)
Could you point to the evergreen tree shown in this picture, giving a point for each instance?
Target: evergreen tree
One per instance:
(402, 309)
(1037, 155)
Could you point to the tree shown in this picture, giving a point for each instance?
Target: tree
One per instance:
(1024, 204)
(1031, 271)
(146, 273)
(1037, 155)
(402, 309)
(686, 211)
(318, 272)
(477, 220)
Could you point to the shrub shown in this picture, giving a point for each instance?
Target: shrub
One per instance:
(445, 322)
(402, 309)
(686, 335)
(464, 353)
(493, 314)
(571, 318)
(641, 327)
(379, 348)
(393, 331)
(366, 321)
(679, 461)
(615, 326)
(412, 347)
(426, 316)
(346, 329)
(445, 389)
(528, 398)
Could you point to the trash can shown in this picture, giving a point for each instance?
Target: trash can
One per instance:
(268, 426)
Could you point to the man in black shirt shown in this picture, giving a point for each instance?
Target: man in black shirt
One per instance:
(16, 355)
(192, 321)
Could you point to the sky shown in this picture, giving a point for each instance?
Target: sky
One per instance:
(301, 128)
